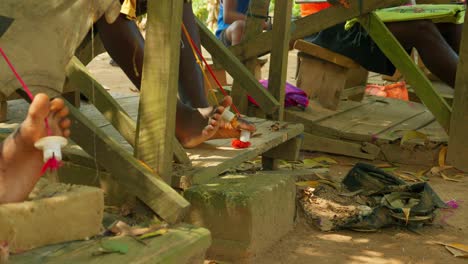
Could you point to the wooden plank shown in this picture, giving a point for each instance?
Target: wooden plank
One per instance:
(216, 156)
(333, 83)
(253, 27)
(286, 151)
(309, 25)
(413, 74)
(458, 145)
(416, 122)
(366, 122)
(334, 146)
(81, 79)
(127, 170)
(183, 244)
(157, 111)
(237, 70)
(324, 54)
(279, 55)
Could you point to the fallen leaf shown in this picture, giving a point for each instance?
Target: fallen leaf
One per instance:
(159, 232)
(112, 246)
(456, 253)
(413, 136)
(442, 156)
(445, 177)
(459, 246)
(406, 212)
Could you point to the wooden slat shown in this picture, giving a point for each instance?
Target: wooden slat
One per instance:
(253, 27)
(324, 54)
(215, 156)
(237, 70)
(156, 119)
(127, 170)
(416, 122)
(458, 145)
(400, 58)
(279, 55)
(368, 121)
(80, 78)
(309, 25)
(340, 147)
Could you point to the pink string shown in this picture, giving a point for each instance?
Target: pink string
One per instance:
(25, 87)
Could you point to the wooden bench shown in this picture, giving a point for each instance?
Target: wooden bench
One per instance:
(324, 74)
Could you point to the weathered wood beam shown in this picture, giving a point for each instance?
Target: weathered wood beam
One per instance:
(158, 98)
(237, 70)
(413, 74)
(309, 25)
(127, 170)
(253, 27)
(279, 54)
(80, 78)
(458, 145)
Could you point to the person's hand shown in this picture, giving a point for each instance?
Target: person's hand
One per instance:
(344, 3)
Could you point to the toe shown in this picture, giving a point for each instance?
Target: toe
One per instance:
(64, 124)
(227, 101)
(39, 108)
(57, 105)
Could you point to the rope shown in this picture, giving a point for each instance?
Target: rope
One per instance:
(194, 47)
(25, 87)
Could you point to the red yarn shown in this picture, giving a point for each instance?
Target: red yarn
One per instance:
(51, 164)
(236, 143)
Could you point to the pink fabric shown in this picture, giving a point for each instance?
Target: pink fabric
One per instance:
(293, 96)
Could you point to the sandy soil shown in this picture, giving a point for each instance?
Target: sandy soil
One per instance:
(307, 244)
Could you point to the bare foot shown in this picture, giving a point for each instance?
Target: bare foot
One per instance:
(20, 161)
(226, 129)
(195, 126)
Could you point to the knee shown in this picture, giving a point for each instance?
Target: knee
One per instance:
(238, 26)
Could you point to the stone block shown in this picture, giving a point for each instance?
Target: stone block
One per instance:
(245, 214)
(56, 213)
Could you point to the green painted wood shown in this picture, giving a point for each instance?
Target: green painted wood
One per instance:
(309, 25)
(253, 27)
(158, 98)
(458, 145)
(279, 54)
(237, 70)
(80, 78)
(182, 245)
(413, 74)
(127, 170)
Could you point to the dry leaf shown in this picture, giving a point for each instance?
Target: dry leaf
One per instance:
(457, 249)
(406, 212)
(442, 156)
(445, 177)
(413, 136)
(456, 253)
(159, 232)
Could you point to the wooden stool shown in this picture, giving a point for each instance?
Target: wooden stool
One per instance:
(324, 74)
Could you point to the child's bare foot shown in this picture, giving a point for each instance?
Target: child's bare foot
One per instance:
(20, 161)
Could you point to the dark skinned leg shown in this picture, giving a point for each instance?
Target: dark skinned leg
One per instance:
(452, 34)
(436, 53)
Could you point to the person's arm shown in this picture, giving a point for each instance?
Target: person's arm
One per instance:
(229, 12)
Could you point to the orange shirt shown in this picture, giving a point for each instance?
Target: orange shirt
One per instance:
(312, 8)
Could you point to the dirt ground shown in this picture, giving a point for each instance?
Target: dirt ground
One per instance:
(306, 244)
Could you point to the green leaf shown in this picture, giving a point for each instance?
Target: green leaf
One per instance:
(156, 233)
(413, 136)
(113, 246)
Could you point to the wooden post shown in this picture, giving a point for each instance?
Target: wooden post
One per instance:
(158, 98)
(279, 54)
(402, 61)
(253, 27)
(458, 145)
(127, 170)
(262, 44)
(237, 70)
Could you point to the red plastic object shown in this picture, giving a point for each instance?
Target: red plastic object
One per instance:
(236, 143)
(51, 164)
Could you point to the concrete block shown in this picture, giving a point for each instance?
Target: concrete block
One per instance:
(245, 214)
(56, 213)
